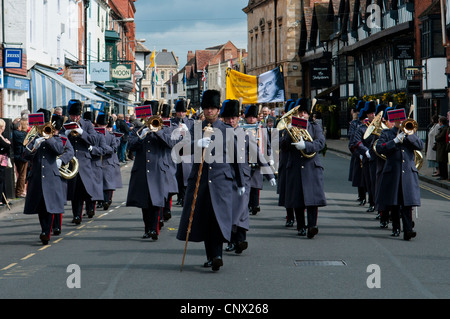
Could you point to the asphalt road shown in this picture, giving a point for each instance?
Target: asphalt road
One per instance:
(351, 257)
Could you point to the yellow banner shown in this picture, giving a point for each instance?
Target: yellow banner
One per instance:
(241, 85)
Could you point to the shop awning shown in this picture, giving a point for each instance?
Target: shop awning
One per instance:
(115, 100)
(50, 90)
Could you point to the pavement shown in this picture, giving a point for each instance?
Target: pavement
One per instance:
(337, 145)
(425, 173)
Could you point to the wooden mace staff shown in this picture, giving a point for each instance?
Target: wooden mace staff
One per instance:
(208, 130)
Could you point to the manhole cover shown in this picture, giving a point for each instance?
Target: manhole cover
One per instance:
(319, 263)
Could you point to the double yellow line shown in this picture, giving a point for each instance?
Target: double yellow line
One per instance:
(435, 191)
(58, 240)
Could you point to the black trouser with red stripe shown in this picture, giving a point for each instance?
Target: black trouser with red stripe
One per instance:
(254, 197)
(45, 218)
(311, 215)
(80, 195)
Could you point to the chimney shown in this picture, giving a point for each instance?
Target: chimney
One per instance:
(190, 56)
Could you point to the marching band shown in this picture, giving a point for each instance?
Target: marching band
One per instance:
(223, 160)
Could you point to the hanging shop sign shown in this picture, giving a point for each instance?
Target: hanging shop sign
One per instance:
(121, 72)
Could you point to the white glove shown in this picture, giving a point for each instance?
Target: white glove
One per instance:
(204, 142)
(38, 142)
(273, 182)
(67, 132)
(90, 148)
(300, 145)
(79, 130)
(271, 162)
(241, 191)
(58, 162)
(144, 132)
(368, 154)
(399, 138)
(183, 127)
(361, 157)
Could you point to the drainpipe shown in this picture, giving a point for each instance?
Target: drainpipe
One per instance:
(444, 34)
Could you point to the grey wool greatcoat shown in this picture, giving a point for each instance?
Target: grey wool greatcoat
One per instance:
(44, 179)
(148, 180)
(356, 170)
(99, 149)
(400, 175)
(241, 217)
(215, 188)
(255, 172)
(185, 166)
(112, 178)
(304, 176)
(81, 145)
(65, 158)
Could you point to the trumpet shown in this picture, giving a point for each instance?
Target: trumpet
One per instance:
(153, 123)
(73, 132)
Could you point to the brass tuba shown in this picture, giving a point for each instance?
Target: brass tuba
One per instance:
(295, 132)
(375, 127)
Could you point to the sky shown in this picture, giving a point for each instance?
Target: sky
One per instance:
(188, 25)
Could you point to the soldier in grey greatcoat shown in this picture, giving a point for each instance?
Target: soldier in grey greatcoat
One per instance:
(63, 159)
(82, 186)
(99, 149)
(213, 214)
(183, 168)
(148, 188)
(258, 138)
(290, 217)
(364, 148)
(241, 220)
(112, 178)
(399, 184)
(355, 171)
(172, 184)
(303, 186)
(45, 195)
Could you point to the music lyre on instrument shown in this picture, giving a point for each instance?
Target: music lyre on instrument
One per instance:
(208, 131)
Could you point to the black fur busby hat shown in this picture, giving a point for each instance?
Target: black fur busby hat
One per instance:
(211, 99)
(288, 105)
(47, 115)
(385, 115)
(165, 111)
(58, 121)
(90, 116)
(74, 107)
(370, 107)
(360, 105)
(381, 108)
(230, 108)
(251, 110)
(154, 104)
(180, 106)
(303, 105)
(102, 119)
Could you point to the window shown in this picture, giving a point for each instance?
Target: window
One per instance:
(431, 39)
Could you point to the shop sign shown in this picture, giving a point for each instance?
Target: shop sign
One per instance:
(13, 58)
(121, 72)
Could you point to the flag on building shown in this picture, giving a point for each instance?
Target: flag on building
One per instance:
(264, 88)
(152, 60)
(204, 75)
